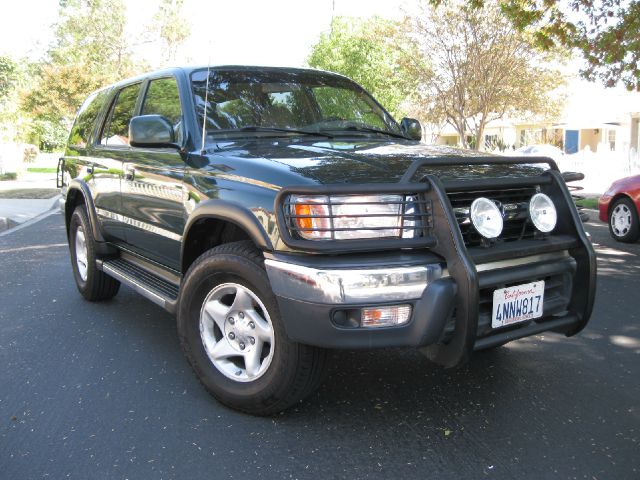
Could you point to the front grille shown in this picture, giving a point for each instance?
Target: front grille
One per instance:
(515, 204)
(557, 293)
(414, 219)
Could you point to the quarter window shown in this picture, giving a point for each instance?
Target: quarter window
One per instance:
(162, 98)
(116, 130)
(86, 119)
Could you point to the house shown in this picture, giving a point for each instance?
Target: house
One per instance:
(594, 119)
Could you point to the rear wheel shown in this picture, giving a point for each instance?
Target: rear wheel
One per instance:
(623, 221)
(230, 330)
(93, 284)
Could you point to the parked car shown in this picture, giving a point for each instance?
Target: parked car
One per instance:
(619, 207)
(541, 150)
(283, 212)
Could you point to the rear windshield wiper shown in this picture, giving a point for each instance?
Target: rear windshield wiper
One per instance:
(357, 128)
(254, 128)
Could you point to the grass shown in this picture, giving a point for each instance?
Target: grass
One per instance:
(24, 193)
(8, 176)
(41, 170)
(588, 203)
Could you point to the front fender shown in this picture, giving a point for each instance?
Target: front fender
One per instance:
(233, 213)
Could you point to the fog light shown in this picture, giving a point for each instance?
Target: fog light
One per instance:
(543, 212)
(385, 316)
(486, 217)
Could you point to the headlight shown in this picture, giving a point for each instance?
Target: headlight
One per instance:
(543, 212)
(486, 217)
(344, 217)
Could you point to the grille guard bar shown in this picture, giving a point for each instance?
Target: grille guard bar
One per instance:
(446, 240)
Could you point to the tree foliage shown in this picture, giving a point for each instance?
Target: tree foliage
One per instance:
(606, 32)
(90, 49)
(365, 52)
(93, 33)
(171, 27)
(482, 69)
(8, 77)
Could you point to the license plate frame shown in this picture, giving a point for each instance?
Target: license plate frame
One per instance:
(517, 304)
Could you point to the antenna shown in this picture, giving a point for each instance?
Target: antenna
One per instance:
(206, 102)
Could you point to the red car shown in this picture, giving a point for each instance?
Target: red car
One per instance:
(619, 207)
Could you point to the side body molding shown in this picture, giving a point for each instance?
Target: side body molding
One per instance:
(229, 212)
(83, 189)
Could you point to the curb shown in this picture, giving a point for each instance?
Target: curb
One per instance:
(53, 209)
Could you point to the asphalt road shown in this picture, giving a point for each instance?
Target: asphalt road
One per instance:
(102, 391)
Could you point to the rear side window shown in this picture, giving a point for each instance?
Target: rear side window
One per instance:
(86, 119)
(116, 130)
(162, 98)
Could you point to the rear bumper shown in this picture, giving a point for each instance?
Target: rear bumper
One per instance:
(603, 208)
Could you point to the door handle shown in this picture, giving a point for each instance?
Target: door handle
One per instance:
(129, 172)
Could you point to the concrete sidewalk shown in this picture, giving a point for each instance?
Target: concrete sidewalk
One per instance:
(17, 211)
(21, 210)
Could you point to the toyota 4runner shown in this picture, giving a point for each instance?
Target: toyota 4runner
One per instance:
(279, 213)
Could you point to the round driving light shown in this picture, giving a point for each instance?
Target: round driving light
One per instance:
(543, 212)
(486, 217)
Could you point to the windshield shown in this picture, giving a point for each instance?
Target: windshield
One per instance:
(272, 102)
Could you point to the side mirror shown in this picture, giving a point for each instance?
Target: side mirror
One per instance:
(411, 128)
(151, 131)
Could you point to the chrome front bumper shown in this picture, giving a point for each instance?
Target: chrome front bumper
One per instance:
(348, 286)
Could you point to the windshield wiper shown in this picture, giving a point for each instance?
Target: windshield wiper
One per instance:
(357, 128)
(254, 128)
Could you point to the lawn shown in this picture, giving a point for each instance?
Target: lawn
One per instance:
(41, 170)
(588, 203)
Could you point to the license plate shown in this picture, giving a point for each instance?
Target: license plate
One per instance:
(517, 304)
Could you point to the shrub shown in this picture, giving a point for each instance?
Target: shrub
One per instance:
(30, 153)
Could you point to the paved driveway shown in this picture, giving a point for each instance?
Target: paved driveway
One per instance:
(102, 391)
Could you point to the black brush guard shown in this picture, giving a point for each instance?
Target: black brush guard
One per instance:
(444, 238)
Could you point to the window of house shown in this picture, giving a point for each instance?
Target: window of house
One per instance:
(116, 129)
(490, 142)
(611, 138)
(163, 98)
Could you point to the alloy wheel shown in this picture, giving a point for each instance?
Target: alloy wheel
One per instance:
(236, 332)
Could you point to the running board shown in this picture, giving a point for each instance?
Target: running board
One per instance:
(149, 285)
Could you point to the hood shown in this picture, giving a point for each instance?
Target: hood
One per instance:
(335, 161)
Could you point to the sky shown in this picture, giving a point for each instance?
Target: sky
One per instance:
(259, 32)
(255, 32)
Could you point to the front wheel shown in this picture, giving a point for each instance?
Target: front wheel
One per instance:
(230, 330)
(623, 221)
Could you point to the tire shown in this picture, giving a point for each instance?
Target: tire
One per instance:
(623, 221)
(93, 284)
(256, 370)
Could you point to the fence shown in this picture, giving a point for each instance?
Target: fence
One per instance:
(601, 168)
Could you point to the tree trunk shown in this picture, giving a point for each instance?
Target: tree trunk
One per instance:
(480, 136)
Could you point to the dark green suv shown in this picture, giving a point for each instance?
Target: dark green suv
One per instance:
(283, 212)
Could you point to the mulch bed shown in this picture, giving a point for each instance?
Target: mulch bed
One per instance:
(29, 193)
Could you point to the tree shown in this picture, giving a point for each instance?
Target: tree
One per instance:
(92, 33)
(365, 52)
(8, 77)
(481, 69)
(172, 28)
(90, 49)
(606, 32)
